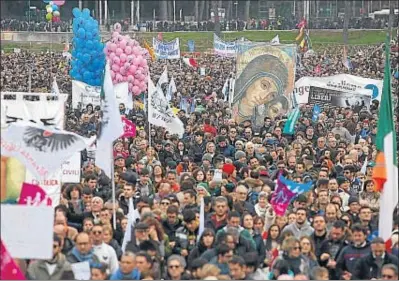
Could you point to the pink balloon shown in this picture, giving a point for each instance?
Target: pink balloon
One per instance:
(128, 50)
(111, 56)
(130, 78)
(112, 74)
(119, 52)
(136, 51)
(146, 79)
(122, 71)
(115, 67)
(136, 82)
(116, 60)
(143, 62)
(145, 68)
(138, 72)
(113, 47)
(118, 78)
(136, 62)
(115, 34)
(126, 66)
(136, 90)
(122, 44)
(132, 69)
(123, 57)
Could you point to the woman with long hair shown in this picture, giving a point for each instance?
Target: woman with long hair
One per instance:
(180, 151)
(157, 234)
(248, 224)
(370, 196)
(206, 242)
(308, 250)
(272, 243)
(157, 174)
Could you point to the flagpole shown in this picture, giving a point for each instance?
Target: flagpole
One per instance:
(113, 187)
(149, 134)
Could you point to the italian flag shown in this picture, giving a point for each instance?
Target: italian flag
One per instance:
(385, 173)
(190, 62)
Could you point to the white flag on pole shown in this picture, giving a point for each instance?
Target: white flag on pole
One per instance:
(171, 89)
(160, 113)
(164, 77)
(363, 170)
(225, 90)
(111, 126)
(132, 216)
(275, 40)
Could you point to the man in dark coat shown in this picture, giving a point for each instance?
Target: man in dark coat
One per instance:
(370, 266)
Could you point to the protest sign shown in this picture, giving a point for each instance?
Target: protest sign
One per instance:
(84, 94)
(27, 231)
(222, 48)
(71, 169)
(81, 270)
(166, 50)
(333, 98)
(342, 82)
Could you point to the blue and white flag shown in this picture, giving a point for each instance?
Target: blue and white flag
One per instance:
(193, 105)
(183, 104)
(289, 127)
(316, 112)
(295, 187)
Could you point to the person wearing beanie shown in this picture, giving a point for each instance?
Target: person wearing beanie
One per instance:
(231, 172)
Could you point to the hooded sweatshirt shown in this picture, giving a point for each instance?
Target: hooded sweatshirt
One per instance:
(305, 230)
(350, 255)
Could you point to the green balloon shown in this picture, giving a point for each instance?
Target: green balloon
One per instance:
(49, 17)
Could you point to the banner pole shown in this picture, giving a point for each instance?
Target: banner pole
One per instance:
(113, 188)
(149, 134)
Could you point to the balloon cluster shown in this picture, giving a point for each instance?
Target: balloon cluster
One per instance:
(53, 13)
(88, 59)
(127, 60)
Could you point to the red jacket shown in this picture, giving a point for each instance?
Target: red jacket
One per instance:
(210, 129)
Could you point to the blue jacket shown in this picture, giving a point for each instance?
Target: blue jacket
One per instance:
(118, 275)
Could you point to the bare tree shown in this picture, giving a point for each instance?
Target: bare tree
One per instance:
(163, 15)
(247, 6)
(346, 22)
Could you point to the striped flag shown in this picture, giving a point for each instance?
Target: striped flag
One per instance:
(289, 126)
(385, 172)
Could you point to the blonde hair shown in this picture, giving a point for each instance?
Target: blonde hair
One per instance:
(289, 243)
(208, 270)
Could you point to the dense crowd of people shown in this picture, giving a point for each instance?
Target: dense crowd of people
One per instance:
(278, 23)
(327, 233)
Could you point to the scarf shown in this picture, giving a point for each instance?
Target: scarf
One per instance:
(80, 257)
(118, 275)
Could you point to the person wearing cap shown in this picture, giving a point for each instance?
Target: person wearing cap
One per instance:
(139, 235)
(186, 235)
(230, 170)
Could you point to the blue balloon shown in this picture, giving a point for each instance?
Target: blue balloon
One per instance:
(89, 35)
(78, 77)
(86, 58)
(87, 75)
(76, 12)
(81, 33)
(86, 13)
(55, 7)
(89, 44)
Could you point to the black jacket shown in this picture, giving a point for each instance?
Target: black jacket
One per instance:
(327, 247)
(366, 268)
(170, 229)
(197, 151)
(318, 241)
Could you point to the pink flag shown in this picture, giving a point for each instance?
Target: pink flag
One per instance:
(9, 270)
(281, 198)
(129, 128)
(33, 195)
